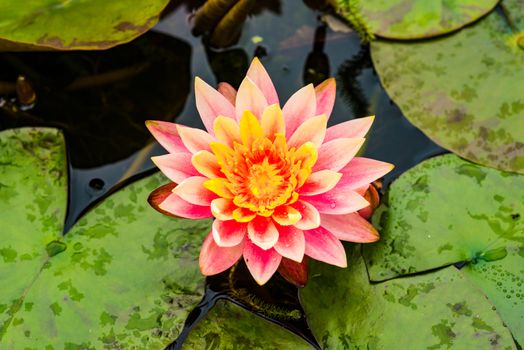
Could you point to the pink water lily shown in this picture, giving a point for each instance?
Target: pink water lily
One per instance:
(277, 181)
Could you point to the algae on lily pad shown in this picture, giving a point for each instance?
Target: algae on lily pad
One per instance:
(123, 277)
(228, 327)
(414, 19)
(465, 90)
(74, 24)
(437, 310)
(447, 210)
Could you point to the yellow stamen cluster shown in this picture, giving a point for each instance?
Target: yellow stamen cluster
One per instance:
(261, 173)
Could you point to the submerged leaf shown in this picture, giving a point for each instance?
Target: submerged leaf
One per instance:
(228, 326)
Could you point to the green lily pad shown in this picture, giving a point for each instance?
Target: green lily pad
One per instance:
(415, 19)
(464, 91)
(228, 326)
(123, 277)
(447, 210)
(438, 310)
(75, 24)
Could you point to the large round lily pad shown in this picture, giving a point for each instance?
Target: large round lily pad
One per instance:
(415, 19)
(464, 91)
(123, 277)
(229, 327)
(75, 24)
(438, 310)
(447, 210)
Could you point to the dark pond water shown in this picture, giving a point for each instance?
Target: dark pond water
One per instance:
(101, 100)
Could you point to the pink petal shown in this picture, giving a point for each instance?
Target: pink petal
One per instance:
(215, 259)
(206, 164)
(312, 130)
(193, 191)
(195, 139)
(249, 98)
(354, 128)
(261, 263)
(229, 92)
(222, 208)
(293, 272)
(262, 232)
(320, 182)
(336, 154)
(258, 74)
(310, 215)
(159, 195)
(291, 243)
(300, 107)
(322, 245)
(326, 93)
(167, 135)
(350, 227)
(228, 233)
(210, 104)
(362, 171)
(176, 166)
(340, 200)
(177, 206)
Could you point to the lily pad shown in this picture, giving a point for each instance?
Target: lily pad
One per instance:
(447, 210)
(61, 25)
(123, 277)
(464, 91)
(438, 310)
(415, 19)
(228, 326)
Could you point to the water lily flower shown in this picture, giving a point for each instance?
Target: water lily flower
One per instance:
(278, 183)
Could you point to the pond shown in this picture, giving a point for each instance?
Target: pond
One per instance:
(450, 257)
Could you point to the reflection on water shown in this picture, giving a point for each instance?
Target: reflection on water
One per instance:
(100, 99)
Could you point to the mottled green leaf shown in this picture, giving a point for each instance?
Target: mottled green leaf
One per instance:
(447, 210)
(123, 277)
(33, 203)
(74, 24)
(415, 19)
(438, 310)
(464, 91)
(228, 327)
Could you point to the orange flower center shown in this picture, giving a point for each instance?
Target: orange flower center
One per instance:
(260, 171)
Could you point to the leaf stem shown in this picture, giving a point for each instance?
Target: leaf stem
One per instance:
(507, 17)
